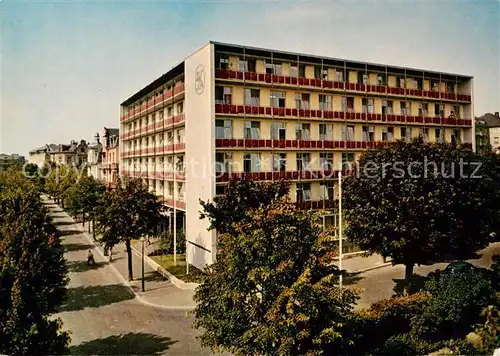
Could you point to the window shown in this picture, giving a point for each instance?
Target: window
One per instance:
(223, 162)
(326, 190)
(347, 103)
(303, 192)
(368, 133)
(252, 130)
(303, 161)
(279, 162)
(277, 99)
(303, 131)
(170, 187)
(246, 65)
(339, 75)
(368, 106)
(170, 137)
(223, 95)
(180, 135)
(251, 162)
(406, 133)
(450, 88)
(222, 62)
(418, 84)
(273, 68)
(456, 110)
(180, 108)
(326, 161)
(423, 109)
(170, 163)
(381, 79)
(325, 102)
(302, 70)
(326, 132)
(347, 161)
(435, 85)
(153, 118)
(424, 133)
(220, 189)
(439, 135)
(348, 133)
(362, 78)
(455, 136)
(294, 70)
(405, 107)
(320, 73)
(179, 166)
(278, 131)
(252, 97)
(439, 110)
(388, 134)
(223, 129)
(180, 190)
(387, 107)
(169, 111)
(302, 101)
(400, 82)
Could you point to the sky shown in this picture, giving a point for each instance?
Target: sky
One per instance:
(67, 66)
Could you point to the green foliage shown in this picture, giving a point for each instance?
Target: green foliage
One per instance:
(128, 212)
(454, 306)
(242, 195)
(59, 180)
(272, 289)
(167, 242)
(32, 272)
(420, 218)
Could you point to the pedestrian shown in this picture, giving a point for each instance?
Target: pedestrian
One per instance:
(90, 258)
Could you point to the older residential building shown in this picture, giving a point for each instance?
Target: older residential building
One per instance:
(41, 155)
(94, 158)
(230, 110)
(73, 154)
(110, 156)
(7, 161)
(488, 133)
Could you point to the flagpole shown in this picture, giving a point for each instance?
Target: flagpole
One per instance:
(340, 227)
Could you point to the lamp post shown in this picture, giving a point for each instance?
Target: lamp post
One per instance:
(142, 263)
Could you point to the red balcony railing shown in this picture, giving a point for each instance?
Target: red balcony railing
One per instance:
(326, 114)
(329, 84)
(292, 175)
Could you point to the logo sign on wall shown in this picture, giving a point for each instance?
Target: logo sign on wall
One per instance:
(199, 78)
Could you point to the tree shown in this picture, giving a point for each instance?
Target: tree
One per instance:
(241, 196)
(272, 289)
(420, 203)
(130, 211)
(33, 274)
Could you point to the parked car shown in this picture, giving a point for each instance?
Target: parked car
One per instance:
(458, 267)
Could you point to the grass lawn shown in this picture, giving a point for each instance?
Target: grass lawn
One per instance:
(179, 270)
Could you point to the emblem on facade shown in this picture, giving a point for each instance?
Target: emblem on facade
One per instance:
(199, 79)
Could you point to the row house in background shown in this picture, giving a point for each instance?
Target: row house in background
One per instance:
(110, 156)
(74, 154)
(488, 133)
(94, 158)
(229, 110)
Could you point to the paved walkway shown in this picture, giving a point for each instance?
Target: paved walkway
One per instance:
(105, 317)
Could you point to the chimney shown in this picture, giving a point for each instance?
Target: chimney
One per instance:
(496, 114)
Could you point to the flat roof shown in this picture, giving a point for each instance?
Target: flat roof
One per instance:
(294, 55)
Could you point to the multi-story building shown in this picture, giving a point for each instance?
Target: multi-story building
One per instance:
(230, 110)
(488, 133)
(73, 154)
(41, 155)
(7, 161)
(94, 157)
(110, 156)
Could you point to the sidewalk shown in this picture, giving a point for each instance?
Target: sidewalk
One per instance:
(360, 264)
(159, 292)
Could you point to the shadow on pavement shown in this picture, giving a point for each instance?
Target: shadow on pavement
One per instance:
(124, 344)
(351, 278)
(79, 298)
(63, 223)
(82, 266)
(417, 284)
(77, 247)
(69, 232)
(153, 276)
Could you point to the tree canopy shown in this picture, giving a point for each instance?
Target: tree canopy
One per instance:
(421, 203)
(272, 289)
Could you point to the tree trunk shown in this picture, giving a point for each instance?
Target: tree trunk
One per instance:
(129, 255)
(83, 218)
(93, 228)
(408, 276)
(89, 227)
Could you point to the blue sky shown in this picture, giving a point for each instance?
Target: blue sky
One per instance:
(66, 66)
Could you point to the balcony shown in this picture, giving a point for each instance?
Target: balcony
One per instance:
(280, 80)
(323, 114)
(155, 101)
(289, 175)
(157, 126)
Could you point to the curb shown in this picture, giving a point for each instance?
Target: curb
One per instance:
(173, 279)
(122, 279)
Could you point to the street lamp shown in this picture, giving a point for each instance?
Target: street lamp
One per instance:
(142, 262)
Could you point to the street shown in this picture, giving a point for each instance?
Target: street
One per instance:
(102, 314)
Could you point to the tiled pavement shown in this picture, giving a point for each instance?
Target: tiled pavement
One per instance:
(103, 315)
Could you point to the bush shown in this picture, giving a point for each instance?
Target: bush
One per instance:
(167, 242)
